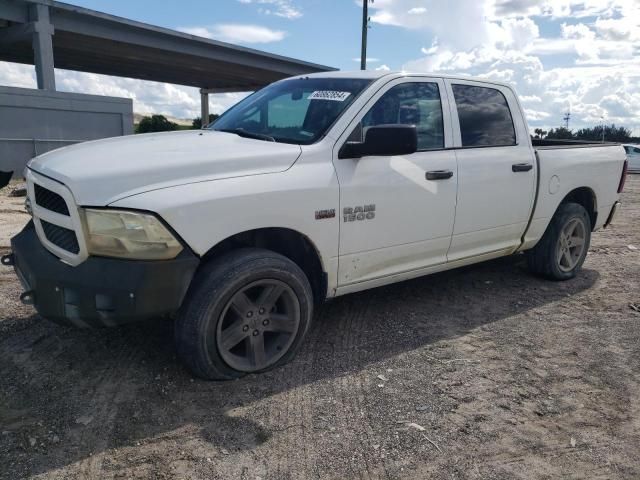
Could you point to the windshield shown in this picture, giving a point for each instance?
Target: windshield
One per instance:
(296, 111)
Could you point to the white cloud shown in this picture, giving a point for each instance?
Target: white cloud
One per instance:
(383, 68)
(279, 8)
(432, 49)
(369, 59)
(463, 14)
(618, 29)
(536, 115)
(501, 39)
(550, 46)
(236, 33)
(17, 75)
(563, 8)
(515, 7)
(518, 33)
(471, 23)
(590, 92)
(530, 99)
(148, 97)
(204, 32)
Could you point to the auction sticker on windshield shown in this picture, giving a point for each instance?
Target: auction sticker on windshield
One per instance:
(329, 95)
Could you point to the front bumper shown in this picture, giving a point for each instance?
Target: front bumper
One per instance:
(100, 291)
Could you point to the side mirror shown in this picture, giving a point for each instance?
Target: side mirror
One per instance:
(383, 140)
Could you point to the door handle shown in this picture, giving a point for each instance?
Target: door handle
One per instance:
(521, 167)
(439, 174)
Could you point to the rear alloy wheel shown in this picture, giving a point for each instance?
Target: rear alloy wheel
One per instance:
(571, 244)
(246, 311)
(561, 251)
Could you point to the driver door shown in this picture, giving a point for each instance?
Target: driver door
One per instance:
(397, 212)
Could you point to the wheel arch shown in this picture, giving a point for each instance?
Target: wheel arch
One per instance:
(586, 197)
(290, 243)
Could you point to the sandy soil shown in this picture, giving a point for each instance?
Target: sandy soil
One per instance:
(12, 216)
(480, 373)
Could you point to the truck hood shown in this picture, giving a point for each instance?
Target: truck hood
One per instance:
(103, 171)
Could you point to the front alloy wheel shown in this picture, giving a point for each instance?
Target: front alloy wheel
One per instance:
(246, 311)
(258, 325)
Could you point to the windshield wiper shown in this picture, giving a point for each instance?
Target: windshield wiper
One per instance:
(243, 133)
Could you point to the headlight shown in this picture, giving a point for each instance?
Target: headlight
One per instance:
(124, 234)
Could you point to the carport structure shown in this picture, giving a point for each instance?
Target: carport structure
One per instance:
(50, 34)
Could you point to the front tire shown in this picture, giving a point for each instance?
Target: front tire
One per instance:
(561, 251)
(246, 312)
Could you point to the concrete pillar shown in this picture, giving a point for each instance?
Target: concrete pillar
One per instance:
(204, 107)
(43, 46)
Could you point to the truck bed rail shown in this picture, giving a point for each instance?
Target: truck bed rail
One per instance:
(547, 144)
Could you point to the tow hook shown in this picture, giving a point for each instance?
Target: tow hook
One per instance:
(28, 297)
(7, 260)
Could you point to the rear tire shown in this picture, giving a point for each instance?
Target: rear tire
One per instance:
(246, 312)
(561, 251)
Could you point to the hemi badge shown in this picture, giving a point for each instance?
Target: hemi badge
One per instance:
(322, 214)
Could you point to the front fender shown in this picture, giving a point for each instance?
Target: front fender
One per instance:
(206, 213)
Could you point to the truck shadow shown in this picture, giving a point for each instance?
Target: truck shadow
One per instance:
(71, 394)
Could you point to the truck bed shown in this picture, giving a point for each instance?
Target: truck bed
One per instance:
(564, 166)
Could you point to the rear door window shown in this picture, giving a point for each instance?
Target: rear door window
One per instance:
(485, 118)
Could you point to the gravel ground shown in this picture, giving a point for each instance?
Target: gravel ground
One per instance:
(480, 373)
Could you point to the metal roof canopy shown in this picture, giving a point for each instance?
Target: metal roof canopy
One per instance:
(47, 33)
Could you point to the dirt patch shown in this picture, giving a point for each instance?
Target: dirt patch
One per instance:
(12, 215)
(480, 373)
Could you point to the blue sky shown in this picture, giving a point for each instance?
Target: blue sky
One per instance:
(306, 37)
(582, 55)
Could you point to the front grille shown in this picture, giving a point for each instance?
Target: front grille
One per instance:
(61, 237)
(50, 200)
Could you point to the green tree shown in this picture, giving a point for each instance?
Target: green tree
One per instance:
(560, 133)
(611, 134)
(155, 123)
(540, 133)
(196, 124)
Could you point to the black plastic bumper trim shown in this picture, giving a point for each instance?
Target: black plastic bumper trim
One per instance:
(100, 291)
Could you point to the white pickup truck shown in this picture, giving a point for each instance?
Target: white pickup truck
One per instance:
(314, 187)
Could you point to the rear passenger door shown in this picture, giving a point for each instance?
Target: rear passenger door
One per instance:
(496, 169)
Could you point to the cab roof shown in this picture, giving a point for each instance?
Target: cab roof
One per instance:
(377, 74)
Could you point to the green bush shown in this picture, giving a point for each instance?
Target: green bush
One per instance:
(196, 124)
(155, 123)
